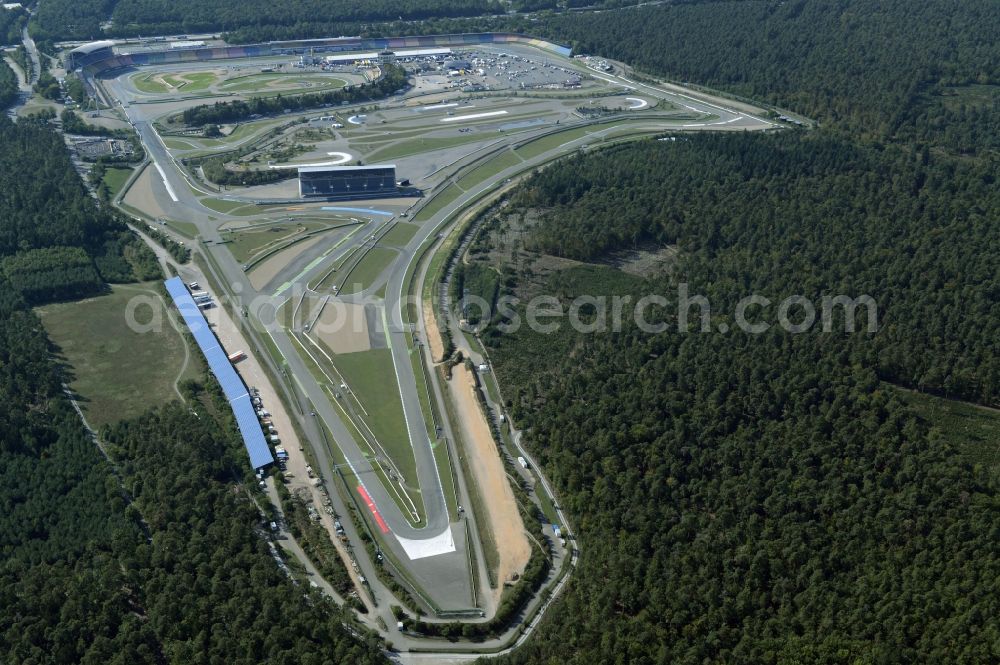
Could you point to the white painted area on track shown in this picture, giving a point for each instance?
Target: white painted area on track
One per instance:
(163, 176)
(613, 82)
(357, 119)
(443, 543)
(473, 116)
(342, 158)
(439, 106)
(639, 103)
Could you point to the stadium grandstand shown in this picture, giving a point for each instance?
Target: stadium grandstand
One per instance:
(100, 56)
(89, 54)
(218, 362)
(348, 182)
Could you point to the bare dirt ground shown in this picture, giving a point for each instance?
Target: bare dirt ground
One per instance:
(265, 271)
(433, 334)
(140, 194)
(484, 459)
(343, 327)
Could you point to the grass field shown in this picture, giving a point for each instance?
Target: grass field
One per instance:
(191, 81)
(221, 205)
(118, 372)
(973, 430)
(365, 273)
(372, 379)
(250, 242)
(400, 235)
(184, 228)
(115, 179)
(546, 143)
(490, 168)
(145, 83)
(417, 146)
(178, 144)
(286, 82)
(440, 200)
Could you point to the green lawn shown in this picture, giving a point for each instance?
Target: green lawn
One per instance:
(417, 146)
(552, 141)
(191, 81)
(115, 179)
(372, 378)
(145, 83)
(118, 373)
(972, 430)
(178, 144)
(222, 205)
(261, 83)
(489, 169)
(400, 235)
(440, 200)
(248, 243)
(364, 273)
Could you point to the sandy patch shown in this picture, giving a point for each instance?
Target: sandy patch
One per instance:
(140, 194)
(342, 326)
(491, 478)
(269, 268)
(434, 340)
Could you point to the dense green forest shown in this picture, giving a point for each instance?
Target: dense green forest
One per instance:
(11, 22)
(152, 17)
(76, 19)
(771, 498)
(766, 498)
(44, 205)
(8, 85)
(393, 78)
(155, 560)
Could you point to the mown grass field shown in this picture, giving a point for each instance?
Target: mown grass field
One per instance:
(118, 372)
(368, 270)
(248, 243)
(489, 169)
(115, 179)
(440, 200)
(372, 378)
(400, 235)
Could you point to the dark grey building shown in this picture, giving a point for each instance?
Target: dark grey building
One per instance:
(347, 181)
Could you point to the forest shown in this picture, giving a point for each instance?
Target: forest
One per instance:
(766, 498)
(149, 555)
(75, 19)
(8, 86)
(11, 22)
(44, 206)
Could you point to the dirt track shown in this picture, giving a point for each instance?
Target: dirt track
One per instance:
(491, 478)
(433, 334)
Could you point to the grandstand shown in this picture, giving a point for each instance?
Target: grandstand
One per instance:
(218, 362)
(348, 182)
(88, 54)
